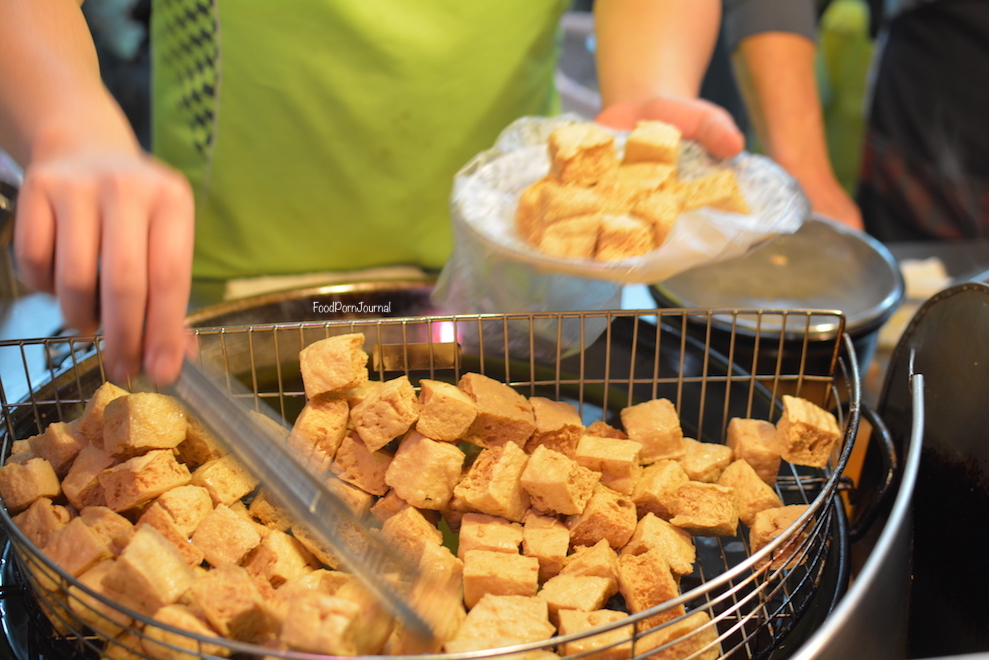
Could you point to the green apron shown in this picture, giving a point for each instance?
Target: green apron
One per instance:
(324, 134)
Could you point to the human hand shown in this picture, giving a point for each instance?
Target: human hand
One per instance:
(115, 224)
(699, 120)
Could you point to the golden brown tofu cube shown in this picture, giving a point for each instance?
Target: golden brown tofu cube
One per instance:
(704, 461)
(408, 532)
(706, 509)
(110, 525)
(156, 516)
(269, 512)
(280, 558)
(357, 500)
(493, 484)
(608, 515)
(634, 180)
(615, 644)
(59, 445)
(548, 540)
(718, 189)
(149, 574)
(602, 429)
(653, 142)
(139, 480)
(752, 494)
(656, 426)
(356, 464)
(334, 364)
(318, 623)
(187, 505)
(557, 484)
(200, 445)
(42, 519)
(697, 635)
(807, 433)
(558, 426)
(225, 479)
(769, 524)
(503, 415)
(20, 452)
(646, 581)
(529, 212)
(163, 644)
(479, 531)
(77, 547)
(97, 615)
(575, 592)
(755, 442)
(514, 618)
(598, 560)
(318, 431)
(231, 602)
(582, 153)
(661, 210)
(676, 544)
(498, 573)
(225, 537)
(656, 489)
(139, 422)
(560, 201)
(616, 460)
(82, 485)
(91, 421)
(624, 237)
(424, 472)
(21, 484)
(572, 238)
(387, 413)
(445, 411)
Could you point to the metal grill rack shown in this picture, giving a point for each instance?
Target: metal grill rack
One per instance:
(599, 361)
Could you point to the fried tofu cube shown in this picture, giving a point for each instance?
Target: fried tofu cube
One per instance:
(103, 618)
(609, 515)
(769, 524)
(515, 618)
(90, 423)
(479, 531)
(445, 411)
(424, 472)
(718, 189)
(706, 509)
(581, 153)
(163, 644)
(322, 550)
(807, 433)
(356, 464)
(82, 485)
(232, 604)
(20, 451)
(503, 415)
(334, 364)
(661, 210)
(616, 460)
(560, 201)
(634, 180)
(280, 558)
(498, 573)
(752, 494)
(548, 540)
(598, 560)
(59, 445)
(317, 623)
(408, 532)
(156, 516)
(558, 426)
(755, 442)
(529, 212)
(200, 445)
(441, 570)
(225, 479)
(137, 423)
(357, 500)
(21, 484)
(656, 490)
(77, 547)
(225, 537)
(494, 485)
(187, 505)
(653, 142)
(318, 431)
(269, 512)
(656, 426)
(557, 484)
(704, 461)
(624, 237)
(615, 644)
(646, 581)
(149, 574)
(139, 480)
(601, 429)
(387, 413)
(676, 544)
(42, 519)
(110, 525)
(358, 394)
(697, 635)
(572, 238)
(575, 592)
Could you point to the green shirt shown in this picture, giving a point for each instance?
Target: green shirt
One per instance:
(324, 134)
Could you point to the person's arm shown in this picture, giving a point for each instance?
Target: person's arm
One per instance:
(651, 58)
(776, 76)
(96, 216)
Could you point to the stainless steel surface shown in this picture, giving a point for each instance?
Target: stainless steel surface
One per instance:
(752, 603)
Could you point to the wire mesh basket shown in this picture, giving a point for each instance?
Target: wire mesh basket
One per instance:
(754, 602)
